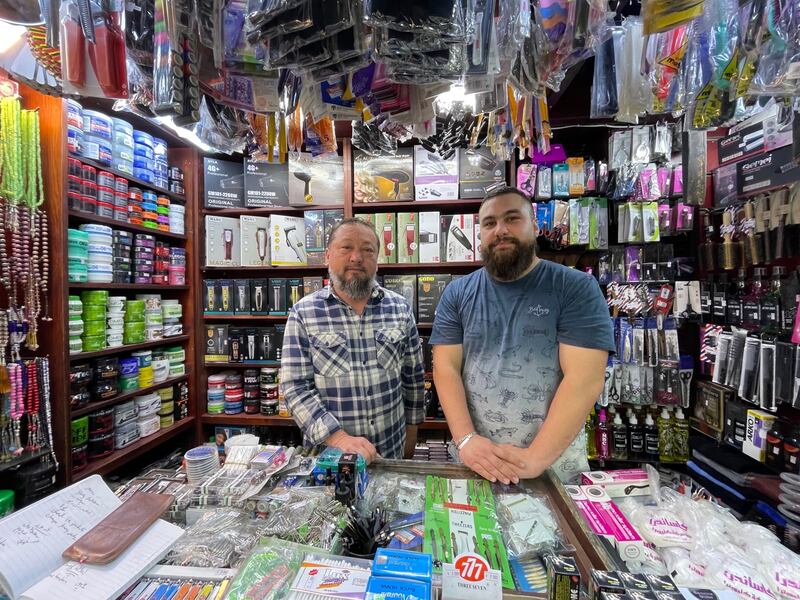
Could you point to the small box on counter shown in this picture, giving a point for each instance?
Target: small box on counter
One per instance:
(478, 172)
(405, 285)
(241, 305)
(458, 243)
(222, 242)
(620, 483)
(278, 291)
(216, 343)
(259, 297)
(429, 291)
(255, 247)
(605, 581)
(407, 238)
(563, 578)
(223, 182)
(383, 178)
(288, 241)
(265, 184)
(434, 177)
(316, 181)
(429, 235)
(311, 285)
(315, 236)
(634, 582)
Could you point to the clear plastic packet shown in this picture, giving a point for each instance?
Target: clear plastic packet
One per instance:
(305, 57)
(389, 42)
(512, 23)
(663, 15)
(221, 127)
(262, 25)
(778, 72)
(328, 18)
(529, 525)
(306, 516)
(670, 47)
(782, 568)
(370, 139)
(446, 18)
(398, 494)
(325, 71)
(604, 101)
(634, 89)
(669, 524)
(320, 136)
(724, 568)
(268, 571)
(683, 570)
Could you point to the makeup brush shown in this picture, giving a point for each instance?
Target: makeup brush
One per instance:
(728, 247)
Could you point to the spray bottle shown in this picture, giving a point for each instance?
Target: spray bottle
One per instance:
(680, 440)
(650, 438)
(635, 438)
(619, 448)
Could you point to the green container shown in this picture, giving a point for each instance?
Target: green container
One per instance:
(95, 297)
(76, 276)
(94, 328)
(93, 343)
(94, 312)
(80, 431)
(76, 327)
(75, 345)
(6, 502)
(133, 338)
(129, 383)
(75, 306)
(175, 354)
(78, 259)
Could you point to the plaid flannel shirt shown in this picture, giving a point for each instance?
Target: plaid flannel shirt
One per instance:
(360, 373)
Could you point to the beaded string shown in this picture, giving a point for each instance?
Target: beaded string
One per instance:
(17, 408)
(32, 405)
(44, 377)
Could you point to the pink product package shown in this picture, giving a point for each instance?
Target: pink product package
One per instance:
(526, 179)
(620, 483)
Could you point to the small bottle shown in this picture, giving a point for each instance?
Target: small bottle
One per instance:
(774, 456)
(751, 304)
(665, 436)
(650, 438)
(619, 449)
(680, 437)
(771, 305)
(733, 311)
(591, 445)
(602, 437)
(635, 438)
(791, 452)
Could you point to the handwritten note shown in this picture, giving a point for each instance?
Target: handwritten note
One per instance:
(100, 582)
(33, 538)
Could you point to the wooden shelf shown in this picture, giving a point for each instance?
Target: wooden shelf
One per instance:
(265, 211)
(25, 458)
(420, 205)
(120, 457)
(95, 406)
(278, 318)
(263, 421)
(155, 287)
(178, 339)
(268, 269)
(381, 267)
(134, 182)
(76, 215)
(235, 365)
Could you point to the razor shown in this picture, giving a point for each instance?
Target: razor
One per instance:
(227, 240)
(296, 244)
(261, 243)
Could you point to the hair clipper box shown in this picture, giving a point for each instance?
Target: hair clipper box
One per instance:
(429, 236)
(315, 236)
(316, 180)
(216, 343)
(311, 285)
(241, 296)
(223, 182)
(479, 171)
(563, 578)
(407, 238)
(254, 240)
(332, 218)
(288, 241)
(259, 297)
(434, 177)
(265, 184)
(405, 285)
(278, 295)
(222, 242)
(429, 291)
(458, 243)
(386, 227)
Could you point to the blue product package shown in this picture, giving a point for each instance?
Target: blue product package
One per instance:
(391, 588)
(544, 216)
(402, 563)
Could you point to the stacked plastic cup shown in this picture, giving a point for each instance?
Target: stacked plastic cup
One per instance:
(95, 308)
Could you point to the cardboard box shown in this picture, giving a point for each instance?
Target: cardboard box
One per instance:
(386, 227)
(236, 343)
(268, 346)
(259, 297)
(478, 172)
(315, 236)
(265, 184)
(620, 483)
(278, 295)
(563, 578)
(434, 177)
(294, 291)
(477, 238)
(605, 582)
(222, 242)
(255, 247)
(429, 234)
(316, 181)
(767, 170)
(429, 291)
(211, 296)
(216, 343)
(755, 441)
(767, 130)
(383, 178)
(332, 218)
(241, 296)
(226, 298)
(311, 285)
(223, 181)
(405, 285)
(458, 238)
(407, 238)
(725, 185)
(288, 241)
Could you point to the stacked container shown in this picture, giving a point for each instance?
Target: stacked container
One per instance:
(147, 408)
(234, 394)
(78, 254)
(176, 181)
(143, 156)
(166, 414)
(216, 393)
(269, 391)
(98, 138)
(251, 391)
(134, 328)
(80, 376)
(95, 304)
(149, 210)
(126, 427)
(74, 126)
(80, 443)
(75, 327)
(177, 360)
(100, 253)
(177, 218)
(135, 201)
(161, 263)
(123, 146)
(144, 255)
(129, 374)
(116, 321)
(172, 311)
(160, 166)
(123, 256)
(153, 318)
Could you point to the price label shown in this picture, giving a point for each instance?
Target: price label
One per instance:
(470, 577)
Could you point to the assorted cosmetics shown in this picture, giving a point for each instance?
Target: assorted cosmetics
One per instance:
(614, 433)
(252, 391)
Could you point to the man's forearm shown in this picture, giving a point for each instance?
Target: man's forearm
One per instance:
(572, 402)
(310, 413)
(453, 399)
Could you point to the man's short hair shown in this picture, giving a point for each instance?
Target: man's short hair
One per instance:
(512, 191)
(354, 221)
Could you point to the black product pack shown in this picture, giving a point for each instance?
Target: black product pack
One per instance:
(241, 296)
(311, 285)
(294, 291)
(429, 291)
(224, 183)
(633, 582)
(236, 343)
(479, 172)
(427, 353)
(332, 217)
(563, 578)
(226, 297)
(767, 170)
(278, 294)
(405, 285)
(268, 346)
(605, 581)
(259, 297)
(217, 342)
(265, 184)
(212, 297)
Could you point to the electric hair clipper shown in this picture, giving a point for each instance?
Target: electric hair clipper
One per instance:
(295, 243)
(261, 243)
(227, 240)
(462, 239)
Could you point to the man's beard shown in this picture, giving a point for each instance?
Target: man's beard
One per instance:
(358, 287)
(508, 265)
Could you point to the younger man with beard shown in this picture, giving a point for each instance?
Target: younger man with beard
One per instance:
(520, 349)
(351, 368)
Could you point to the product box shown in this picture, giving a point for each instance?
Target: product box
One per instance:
(255, 247)
(479, 171)
(407, 238)
(212, 296)
(400, 563)
(607, 582)
(278, 295)
(315, 236)
(405, 285)
(259, 297)
(429, 235)
(429, 291)
(216, 343)
(250, 350)
(434, 177)
(457, 242)
(227, 303)
(755, 441)
(767, 170)
(223, 181)
(236, 343)
(563, 578)
(288, 241)
(620, 483)
(294, 291)
(386, 227)
(725, 185)
(222, 242)
(477, 238)
(332, 218)
(633, 581)
(316, 181)
(269, 344)
(576, 176)
(767, 130)
(383, 178)
(311, 285)
(265, 184)
(241, 296)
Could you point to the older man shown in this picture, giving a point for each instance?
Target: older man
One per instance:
(351, 369)
(520, 349)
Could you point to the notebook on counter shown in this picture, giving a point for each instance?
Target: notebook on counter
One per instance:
(33, 539)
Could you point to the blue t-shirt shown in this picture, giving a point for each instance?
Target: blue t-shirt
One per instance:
(510, 332)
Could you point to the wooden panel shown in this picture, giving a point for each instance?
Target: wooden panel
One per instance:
(347, 160)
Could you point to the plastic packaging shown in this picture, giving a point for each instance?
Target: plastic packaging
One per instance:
(268, 571)
(778, 72)
(529, 525)
(445, 18)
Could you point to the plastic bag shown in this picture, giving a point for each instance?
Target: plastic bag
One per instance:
(671, 523)
(328, 18)
(530, 528)
(663, 15)
(604, 103)
(398, 494)
(223, 128)
(670, 47)
(264, 25)
(445, 17)
(306, 516)
(778, 72)
(634, 90)
(782, 568)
